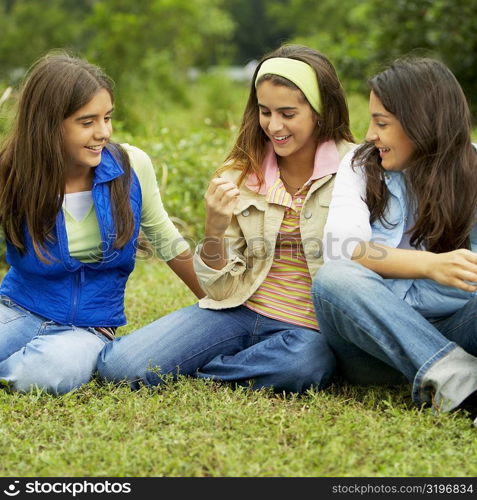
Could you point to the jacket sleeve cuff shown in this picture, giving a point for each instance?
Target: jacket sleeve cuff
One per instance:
(208, 275)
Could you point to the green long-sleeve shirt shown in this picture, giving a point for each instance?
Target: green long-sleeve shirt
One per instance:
(84, 237)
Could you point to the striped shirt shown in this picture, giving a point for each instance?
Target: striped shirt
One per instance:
(285, 294)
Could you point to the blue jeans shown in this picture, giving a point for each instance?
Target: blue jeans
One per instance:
(377, 337)
(37, 353)
(233, 344)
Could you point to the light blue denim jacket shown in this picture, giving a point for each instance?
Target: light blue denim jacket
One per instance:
(348, 223)
(427, 296)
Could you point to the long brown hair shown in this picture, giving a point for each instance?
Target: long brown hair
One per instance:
(441, 177)
(33, 158)
(249, 149)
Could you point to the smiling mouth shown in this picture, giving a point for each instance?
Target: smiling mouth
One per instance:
(281, 138)
(384, 150)
(94, 148)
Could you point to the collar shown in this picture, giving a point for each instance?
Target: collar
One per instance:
(278, 194)
(108, 169)
(326, 163)
(394, 177)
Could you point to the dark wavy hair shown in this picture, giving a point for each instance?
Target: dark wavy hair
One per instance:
(249, 149)
(426, 98)
(33, 157)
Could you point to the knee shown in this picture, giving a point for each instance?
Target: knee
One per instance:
(336, 277)
(54, 364)
(117, 363)
(105, 362)
(111, 364)
(56, 378)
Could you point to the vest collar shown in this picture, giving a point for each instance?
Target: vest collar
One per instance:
(108, 169)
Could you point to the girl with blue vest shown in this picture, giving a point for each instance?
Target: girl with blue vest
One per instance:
(71, 208)
(396, 296)
(266, 210)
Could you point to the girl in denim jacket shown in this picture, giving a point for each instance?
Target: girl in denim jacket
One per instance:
(396, 298)
(71, 207)
(266, 211)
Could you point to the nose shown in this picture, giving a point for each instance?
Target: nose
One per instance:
(103, 130)
(371, 134)
(275, 124)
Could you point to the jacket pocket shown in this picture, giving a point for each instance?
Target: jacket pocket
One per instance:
(250, 215)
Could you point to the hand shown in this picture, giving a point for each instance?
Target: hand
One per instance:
(456, 268)
(221, 198)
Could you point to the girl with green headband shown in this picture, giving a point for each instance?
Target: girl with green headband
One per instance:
(266, 210)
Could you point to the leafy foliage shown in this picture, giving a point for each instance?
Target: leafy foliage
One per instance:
(256, 31)
(129, 36)
(148, 47)
(30, 29)
(441, 28)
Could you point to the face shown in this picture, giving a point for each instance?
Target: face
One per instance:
(385, 130)
(287, 119)
(88, 130)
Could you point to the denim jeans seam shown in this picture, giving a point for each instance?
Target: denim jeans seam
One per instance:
(416, 386)
(256, 337)
(256, 325)
(254, 333)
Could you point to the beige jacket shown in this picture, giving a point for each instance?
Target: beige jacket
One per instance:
(251, 238)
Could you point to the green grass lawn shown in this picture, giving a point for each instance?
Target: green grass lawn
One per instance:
(201, 428)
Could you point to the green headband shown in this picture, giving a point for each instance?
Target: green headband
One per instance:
(298, 72)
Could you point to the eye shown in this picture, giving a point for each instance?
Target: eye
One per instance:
(288, 115)
(87, 123)
(381, 125)
(264, 112)
(108, 118)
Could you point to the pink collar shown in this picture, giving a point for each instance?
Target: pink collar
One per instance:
(326, 163)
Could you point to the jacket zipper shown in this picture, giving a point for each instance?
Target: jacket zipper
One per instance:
(79, 280)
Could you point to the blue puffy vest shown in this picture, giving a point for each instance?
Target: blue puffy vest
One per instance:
(66, 290)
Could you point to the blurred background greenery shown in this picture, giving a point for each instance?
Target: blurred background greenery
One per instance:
(182, 67)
